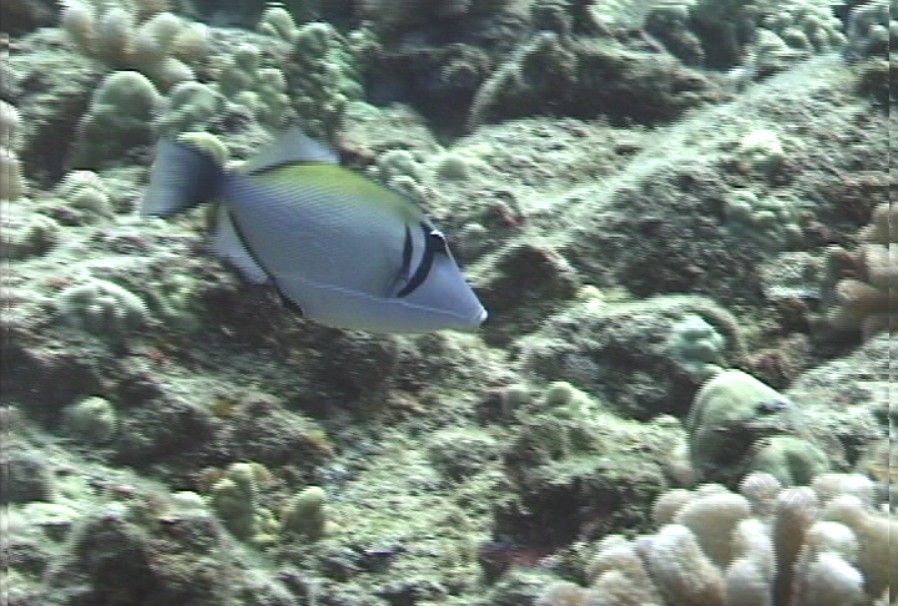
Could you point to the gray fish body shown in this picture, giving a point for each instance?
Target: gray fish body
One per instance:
(348, 252)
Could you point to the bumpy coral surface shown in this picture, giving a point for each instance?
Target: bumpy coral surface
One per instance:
(826, 545)
(646, 197)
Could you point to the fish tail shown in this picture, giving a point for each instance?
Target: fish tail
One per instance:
(182, 177)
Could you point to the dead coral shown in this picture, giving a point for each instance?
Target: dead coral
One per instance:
(583, 78)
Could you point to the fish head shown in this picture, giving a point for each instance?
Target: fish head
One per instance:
(445, 297)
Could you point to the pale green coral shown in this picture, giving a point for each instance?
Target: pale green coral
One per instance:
(771, 221)
(12, 185)
(244, 80)
(304, 516)
(102, 308)
(697, 347)
(235, 499)
(873, 28)
(118, 119)
(85, 190)
(25, 234)
(322, 77)
(189, 106)
(159, 44)
(93, 419)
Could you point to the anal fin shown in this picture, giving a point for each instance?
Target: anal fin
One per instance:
(227, 243)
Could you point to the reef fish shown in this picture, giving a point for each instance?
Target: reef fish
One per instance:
(348, 252)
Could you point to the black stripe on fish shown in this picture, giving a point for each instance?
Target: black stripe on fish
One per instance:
(406, 255)
(285, 300)
(263, 170)
(434, 242)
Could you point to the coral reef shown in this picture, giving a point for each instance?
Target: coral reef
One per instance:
(25, 234)
(119, 118)
(826, 545)
(12, 186)
(569, 475)
(85, 190)
(620, 351)
(558, 76)
(872, 28)
(643, 212)
(189, 107)
(304, 514)
(321, 78)
(235, 499)
(92, 419)
(103, 308)
(767, 35)
(862, 283)
(697, 346)
(243, 80)
(144, 37)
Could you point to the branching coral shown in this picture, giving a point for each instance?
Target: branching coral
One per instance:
(827, 545)
(119, 117)
(159, 44)
(321, 78)
(244, 80)
(864, 283)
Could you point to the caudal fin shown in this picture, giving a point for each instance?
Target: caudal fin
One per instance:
(182, 177)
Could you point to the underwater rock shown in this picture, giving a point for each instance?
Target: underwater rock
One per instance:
(24, 233)
(572, 472)
(620, 351)
(590, 79)
(27, 476)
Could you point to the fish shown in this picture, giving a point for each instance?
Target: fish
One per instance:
(342, 249)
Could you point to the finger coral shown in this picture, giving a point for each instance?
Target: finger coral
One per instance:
(824, 545)
(119, 117)
(159, 44)
(863, 283)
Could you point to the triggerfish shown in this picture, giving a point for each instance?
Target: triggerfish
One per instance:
(348, 252)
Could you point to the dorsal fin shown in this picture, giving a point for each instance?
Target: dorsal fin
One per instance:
(291, 147)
